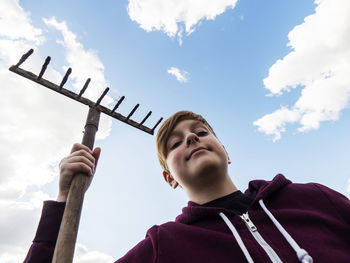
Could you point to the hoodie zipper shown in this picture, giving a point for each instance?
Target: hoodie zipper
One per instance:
(254, 230)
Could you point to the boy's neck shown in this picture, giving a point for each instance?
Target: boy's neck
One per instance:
(213, 191)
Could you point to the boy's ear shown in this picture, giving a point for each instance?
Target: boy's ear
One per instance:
(228, 157)
(170, 180)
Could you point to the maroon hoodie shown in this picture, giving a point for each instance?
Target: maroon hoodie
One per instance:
(286, 222)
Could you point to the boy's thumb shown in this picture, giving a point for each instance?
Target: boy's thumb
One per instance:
(96, 153)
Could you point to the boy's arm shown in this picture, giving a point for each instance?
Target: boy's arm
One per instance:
(81, 159)
(44, 242)
(45, 239)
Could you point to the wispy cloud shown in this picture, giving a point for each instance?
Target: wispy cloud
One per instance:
(17, 226)
(181, 75)
(85, 64)
(319, 63)
(174, 17)
(16, 25)
(16, 132)
(38, 126)
(84, 255)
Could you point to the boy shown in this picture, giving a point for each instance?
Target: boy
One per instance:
(273, 221)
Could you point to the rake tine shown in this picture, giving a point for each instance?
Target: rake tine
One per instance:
(118, 103)
(65, 78)
(84, 88)
(24, 57)
(155, 126)
(100, 99)
(132, 112)
(43, 68)
(142, 122)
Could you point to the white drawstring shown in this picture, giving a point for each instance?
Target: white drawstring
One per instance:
(237, 237)
(302, 254)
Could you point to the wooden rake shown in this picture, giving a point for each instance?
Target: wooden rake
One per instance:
(67, 236)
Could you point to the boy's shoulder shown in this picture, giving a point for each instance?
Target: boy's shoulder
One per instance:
(282, 186)
(283, 193)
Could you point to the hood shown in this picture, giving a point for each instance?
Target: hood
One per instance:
(193, 211)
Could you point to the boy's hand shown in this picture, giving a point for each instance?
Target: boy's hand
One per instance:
(81, 159)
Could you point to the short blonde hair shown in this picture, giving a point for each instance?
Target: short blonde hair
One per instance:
(168, 126)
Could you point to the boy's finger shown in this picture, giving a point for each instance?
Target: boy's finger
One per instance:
(79, 146)
(80, 167)
(81, 159)
(83, 153)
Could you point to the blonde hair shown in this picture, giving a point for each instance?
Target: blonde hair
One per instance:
(168, 126)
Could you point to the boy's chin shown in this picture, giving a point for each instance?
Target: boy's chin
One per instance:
(208, 166)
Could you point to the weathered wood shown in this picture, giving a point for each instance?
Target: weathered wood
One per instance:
(43, 68)
(155, 126)
(65, 245)
(144, 119)
(132, 111)
(87, 82)
(72, 95)
(118, 103)
(65, 78)
(101, 97)
(24, 57)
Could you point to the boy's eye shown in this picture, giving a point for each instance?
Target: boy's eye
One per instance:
(202, 133)
(176, 144)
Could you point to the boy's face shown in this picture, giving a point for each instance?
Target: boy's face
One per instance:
(195, 156)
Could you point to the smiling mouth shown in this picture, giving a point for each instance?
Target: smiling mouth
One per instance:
(195, 151)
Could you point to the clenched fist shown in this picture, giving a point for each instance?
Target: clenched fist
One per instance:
(80, 160)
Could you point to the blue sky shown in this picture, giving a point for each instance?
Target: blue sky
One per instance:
(270, 76)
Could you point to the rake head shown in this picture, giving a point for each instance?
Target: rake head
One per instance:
(79, 97)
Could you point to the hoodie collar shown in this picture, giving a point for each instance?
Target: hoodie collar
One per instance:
(266, 188)
(193, 211)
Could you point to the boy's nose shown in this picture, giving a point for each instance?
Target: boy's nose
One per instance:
(192, 138)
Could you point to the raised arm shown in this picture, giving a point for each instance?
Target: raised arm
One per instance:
(81, 159)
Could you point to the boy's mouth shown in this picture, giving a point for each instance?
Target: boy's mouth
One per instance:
(193, 151)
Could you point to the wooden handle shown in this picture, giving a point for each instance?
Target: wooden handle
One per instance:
(67, 236)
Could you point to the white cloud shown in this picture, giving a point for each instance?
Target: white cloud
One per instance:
(18, 131)
(319, 63)
(83, 255)
(18, 225)
(33, 116)
(181, 75)
(12, 254)
(274, 123)
(37, 126)
(19, 234)
(15, 23)
(174, 17)
(85, 64)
